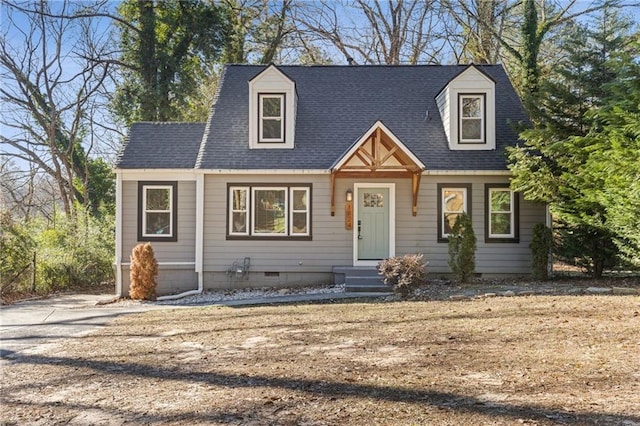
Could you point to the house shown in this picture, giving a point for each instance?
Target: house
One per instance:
(303, 173)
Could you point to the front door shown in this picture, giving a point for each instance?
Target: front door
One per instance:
(372, 225)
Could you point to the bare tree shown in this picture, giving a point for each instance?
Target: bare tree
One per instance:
(480, 25)
(374, 32)
(516, 33)
(50, 94)
(26, 192)
(258, 30)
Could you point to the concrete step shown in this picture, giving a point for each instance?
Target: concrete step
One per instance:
(367, 289)
(365, 284)
(360, 279)
(360, 271)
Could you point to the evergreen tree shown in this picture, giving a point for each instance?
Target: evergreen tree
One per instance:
(553, 166)
(614, 156)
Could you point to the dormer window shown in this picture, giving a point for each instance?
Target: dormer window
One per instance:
(272, 110)
(472, 118)
(271, 122)
(467, 106)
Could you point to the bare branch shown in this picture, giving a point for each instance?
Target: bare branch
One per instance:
(95, 13)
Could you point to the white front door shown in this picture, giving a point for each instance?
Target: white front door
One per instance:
(374, 230)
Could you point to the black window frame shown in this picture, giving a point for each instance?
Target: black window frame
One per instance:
(515, 214)
(468, 203)
(483, 129)
(173, 237)
(249, 235)
(283, 124)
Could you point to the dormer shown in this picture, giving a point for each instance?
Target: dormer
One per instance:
(272, 110)
(467, 106)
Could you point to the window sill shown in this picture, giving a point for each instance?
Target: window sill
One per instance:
(507, 240)
(151, 239)
(268, 238)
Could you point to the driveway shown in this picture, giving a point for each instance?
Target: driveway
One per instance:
(31, 326)
(26, 326)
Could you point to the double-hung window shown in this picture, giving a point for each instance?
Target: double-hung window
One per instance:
(269, 211)
(157, 211)
(271, 123)
(453, 200)
(501, 214)
(471, 116)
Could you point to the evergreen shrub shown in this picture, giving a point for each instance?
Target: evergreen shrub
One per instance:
(462, 249)
(541, 243)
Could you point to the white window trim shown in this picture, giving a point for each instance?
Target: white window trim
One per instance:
(145, 211)
(252, 204)
(444, 211)
(483, 130)
(292, 211)
(281, 118)
(511, 212)
(232, 210)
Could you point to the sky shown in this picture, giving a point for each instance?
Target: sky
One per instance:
(14, 35)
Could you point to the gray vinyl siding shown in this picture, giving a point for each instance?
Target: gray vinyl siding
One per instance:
(491, 258)
(182, 250)
(332, 244)
(171, 279)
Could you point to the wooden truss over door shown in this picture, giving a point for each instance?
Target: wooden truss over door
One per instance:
(378, 154)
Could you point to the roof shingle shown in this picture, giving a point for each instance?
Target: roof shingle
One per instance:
(161, 146)
(336, 105)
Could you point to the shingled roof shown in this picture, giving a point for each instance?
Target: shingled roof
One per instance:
(336, 106)
(161, 146)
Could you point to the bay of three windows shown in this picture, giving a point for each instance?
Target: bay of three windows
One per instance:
(269, 211)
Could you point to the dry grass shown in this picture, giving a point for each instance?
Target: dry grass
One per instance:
(527, 360)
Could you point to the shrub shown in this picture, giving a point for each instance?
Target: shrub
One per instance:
(593, 249)
(144, 273)
(70, 251)
(16, 252)
(462, 249)
(76, 252)
(403, 273)
(541, 242)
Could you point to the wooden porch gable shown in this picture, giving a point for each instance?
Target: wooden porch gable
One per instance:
(379, 154)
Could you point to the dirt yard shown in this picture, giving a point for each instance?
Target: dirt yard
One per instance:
(538, 360)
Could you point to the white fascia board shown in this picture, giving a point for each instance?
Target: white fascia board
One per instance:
(367, 134)
(473, 69)
(157, 174)
(268, 69)
(266, 171)
(467, 172)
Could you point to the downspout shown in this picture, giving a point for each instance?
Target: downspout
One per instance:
(199, 242)
(549, 223)
(118, 234)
